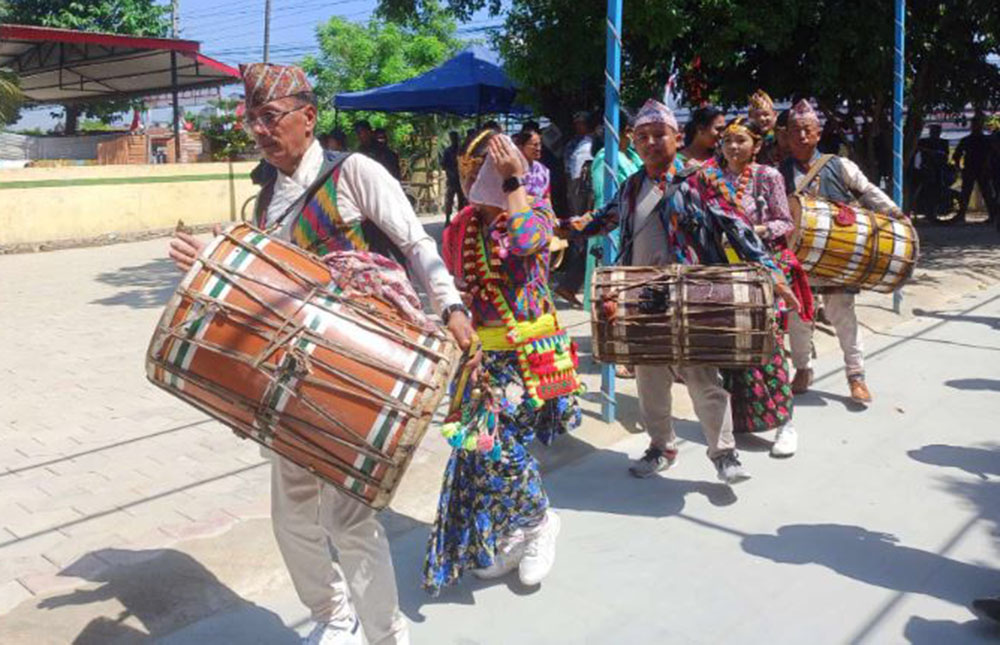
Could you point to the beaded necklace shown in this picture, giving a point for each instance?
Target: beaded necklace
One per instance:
(715, 177)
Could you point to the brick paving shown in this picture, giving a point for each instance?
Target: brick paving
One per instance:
(91, 455)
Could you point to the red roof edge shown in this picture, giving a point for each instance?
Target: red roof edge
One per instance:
(29, 32)
(214, 64)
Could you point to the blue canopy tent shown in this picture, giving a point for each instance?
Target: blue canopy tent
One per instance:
(469, 84)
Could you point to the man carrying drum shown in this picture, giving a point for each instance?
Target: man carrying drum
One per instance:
(323, 202)
(840, 180)
(664, 221)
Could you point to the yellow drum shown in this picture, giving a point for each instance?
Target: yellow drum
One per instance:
(850, 246)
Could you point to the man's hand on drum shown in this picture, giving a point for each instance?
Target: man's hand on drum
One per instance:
(185, 248)
(785, 293)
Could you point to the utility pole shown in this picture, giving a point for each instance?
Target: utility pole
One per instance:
(267, 28)
(175, 18)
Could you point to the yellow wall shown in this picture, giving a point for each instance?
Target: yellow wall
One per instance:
(47, 204)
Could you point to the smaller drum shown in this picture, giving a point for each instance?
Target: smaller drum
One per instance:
(722, 316)
(850, 246)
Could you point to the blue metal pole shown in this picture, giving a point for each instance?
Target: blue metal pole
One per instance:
(897, 121)
(612, 84)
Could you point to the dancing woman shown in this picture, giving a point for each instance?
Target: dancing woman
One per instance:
(755, 193)
(493, 514)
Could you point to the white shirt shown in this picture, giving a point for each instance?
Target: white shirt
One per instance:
(366, 190)
(649, 245)
(577, 154)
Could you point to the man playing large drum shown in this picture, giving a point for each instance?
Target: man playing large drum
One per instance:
(325, 202)
(839, 180)
(664, 222)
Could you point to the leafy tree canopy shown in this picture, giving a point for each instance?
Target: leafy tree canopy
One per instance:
(838, 51)
(357, 56)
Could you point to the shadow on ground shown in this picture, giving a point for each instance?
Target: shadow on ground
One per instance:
(159, 591)
(144, 286)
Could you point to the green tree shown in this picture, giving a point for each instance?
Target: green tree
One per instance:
(130, 17)
(838, 51)
(10, 98)
(357, 56)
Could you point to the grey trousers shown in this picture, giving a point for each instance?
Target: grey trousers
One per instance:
(839, 308)
(711, 405)
(306, 512)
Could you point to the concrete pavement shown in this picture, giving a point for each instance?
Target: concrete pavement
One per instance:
(125, 514)
(881, 530)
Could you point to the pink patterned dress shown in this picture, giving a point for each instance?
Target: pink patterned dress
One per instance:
(761, 396)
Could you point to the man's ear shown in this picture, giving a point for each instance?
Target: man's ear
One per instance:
(311, 114)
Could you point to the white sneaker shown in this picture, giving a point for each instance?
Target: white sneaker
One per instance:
(510, 550)
(540, 551)
(786, 442)
(335, 634)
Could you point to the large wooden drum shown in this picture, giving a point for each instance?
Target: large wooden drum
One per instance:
(343, 385)
(850, 246)
(683, 315)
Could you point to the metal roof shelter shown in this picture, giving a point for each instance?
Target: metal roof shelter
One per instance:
(66, 66)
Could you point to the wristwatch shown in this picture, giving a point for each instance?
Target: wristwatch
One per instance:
(511, 184)
(450, 309)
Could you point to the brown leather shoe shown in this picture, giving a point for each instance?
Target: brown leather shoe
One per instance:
(803, 379)
(859, 391)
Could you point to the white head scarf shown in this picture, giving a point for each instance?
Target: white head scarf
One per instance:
(487, 189)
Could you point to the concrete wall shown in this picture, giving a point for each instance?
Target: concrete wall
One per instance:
(49, 204)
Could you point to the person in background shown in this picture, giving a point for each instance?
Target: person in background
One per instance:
(536, 181)
(974, 150)
(366, 138)
(334, 141)
(453, 187)
(701, 135)
(932, 173)
(629, 163)
(761, 111)
(389, 159)
(577, 152)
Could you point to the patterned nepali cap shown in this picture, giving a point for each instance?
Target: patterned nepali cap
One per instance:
(760, 100)
(803, 112)
(652, 111)
(265, 82)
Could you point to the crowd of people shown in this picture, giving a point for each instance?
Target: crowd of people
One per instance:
(714, 192)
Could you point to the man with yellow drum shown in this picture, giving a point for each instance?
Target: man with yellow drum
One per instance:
(837, 179)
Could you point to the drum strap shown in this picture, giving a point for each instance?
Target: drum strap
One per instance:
(813, 172)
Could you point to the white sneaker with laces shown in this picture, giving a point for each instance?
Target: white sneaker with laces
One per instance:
(786, 442)
(335, 634)
(540, 551)
(510, 550)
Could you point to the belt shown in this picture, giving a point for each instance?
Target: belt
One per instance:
(498, 339)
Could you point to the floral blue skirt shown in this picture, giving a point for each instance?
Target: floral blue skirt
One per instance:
(483, 500)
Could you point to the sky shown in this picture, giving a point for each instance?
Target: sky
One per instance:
(232, 31)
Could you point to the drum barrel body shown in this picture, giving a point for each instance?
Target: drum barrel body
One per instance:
(257, 337)
(680, 315)
(852, 246)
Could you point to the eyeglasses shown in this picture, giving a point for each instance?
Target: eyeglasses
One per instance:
(268, 120)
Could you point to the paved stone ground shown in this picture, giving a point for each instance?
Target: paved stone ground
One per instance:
(100, 470)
